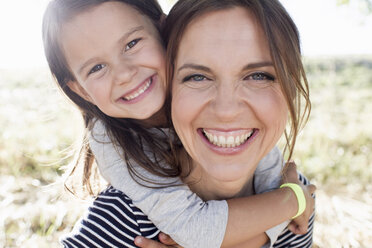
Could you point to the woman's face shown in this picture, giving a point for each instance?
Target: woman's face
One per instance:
(117, 58)
(227, 106)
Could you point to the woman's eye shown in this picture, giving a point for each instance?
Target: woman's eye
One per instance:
(260, 76)
(194, 78)
(96, 68)
(131, 44)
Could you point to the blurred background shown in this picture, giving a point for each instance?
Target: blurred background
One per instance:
(38, 126)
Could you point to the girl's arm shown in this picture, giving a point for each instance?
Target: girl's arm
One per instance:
(270, 208)
(286, 236)
(182, 214)
(167, 242)
(176, 211)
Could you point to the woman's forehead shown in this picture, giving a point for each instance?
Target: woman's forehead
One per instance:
(223, 34)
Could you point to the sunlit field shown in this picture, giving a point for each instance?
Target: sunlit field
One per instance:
(38, 127)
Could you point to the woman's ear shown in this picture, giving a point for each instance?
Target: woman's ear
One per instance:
(76, 87)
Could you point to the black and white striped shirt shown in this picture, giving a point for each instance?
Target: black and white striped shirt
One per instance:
(113, 221)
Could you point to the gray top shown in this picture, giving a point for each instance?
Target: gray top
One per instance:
(176, 210)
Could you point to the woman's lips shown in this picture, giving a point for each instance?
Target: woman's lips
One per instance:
(140, 91)
(227, 142)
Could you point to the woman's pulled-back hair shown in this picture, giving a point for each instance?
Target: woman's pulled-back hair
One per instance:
(284, 44)
(127, 134)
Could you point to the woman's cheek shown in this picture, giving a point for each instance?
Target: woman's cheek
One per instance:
(186, 112)
(182, 110)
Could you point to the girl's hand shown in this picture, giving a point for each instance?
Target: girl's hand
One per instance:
(300, 224)
(166, 241)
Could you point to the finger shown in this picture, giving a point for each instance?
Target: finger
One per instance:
(290, 171)
(292, 227)
(166, 239)
(302, 229)
(311, 188)
(147, 243)
(291, 164)
(297, 229)
(289, 167)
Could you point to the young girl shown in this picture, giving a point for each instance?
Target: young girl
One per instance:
(108, 58)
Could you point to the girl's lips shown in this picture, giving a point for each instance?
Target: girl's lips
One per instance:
(140, 91)
(228, 142)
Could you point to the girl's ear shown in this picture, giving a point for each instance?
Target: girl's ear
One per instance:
(76, 87)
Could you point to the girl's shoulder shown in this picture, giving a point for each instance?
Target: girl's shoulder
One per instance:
(99, 132)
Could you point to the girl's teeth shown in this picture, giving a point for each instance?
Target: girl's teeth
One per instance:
(139, 92)
(227, 141)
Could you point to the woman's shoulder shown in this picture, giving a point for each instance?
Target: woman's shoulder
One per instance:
(111, 221)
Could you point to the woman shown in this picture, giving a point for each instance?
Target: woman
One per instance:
(237, 73)
(231, 143)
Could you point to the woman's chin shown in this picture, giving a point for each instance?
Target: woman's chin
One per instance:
(231, 173)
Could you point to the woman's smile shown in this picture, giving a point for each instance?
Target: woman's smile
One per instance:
(227, 105)
(227, 141)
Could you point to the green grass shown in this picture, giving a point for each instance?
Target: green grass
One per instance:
(38, 127)
(336, 145)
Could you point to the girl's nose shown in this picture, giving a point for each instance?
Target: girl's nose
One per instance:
(124, 72)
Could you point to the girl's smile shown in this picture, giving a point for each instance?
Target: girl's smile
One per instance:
(140, 91)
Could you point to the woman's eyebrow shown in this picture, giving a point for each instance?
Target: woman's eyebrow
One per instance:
(206, 69)
(195, 67)
(258, 65)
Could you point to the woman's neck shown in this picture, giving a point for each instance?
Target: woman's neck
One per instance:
(209, 188)
(213, 190)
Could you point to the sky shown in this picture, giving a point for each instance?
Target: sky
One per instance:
(326, 30)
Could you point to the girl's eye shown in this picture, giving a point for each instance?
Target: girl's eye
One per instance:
(96, 68)
(195, 78)
(260, 76)
(131, 44)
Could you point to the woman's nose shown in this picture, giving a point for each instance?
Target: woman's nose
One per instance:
(226, 104)
(124, 72)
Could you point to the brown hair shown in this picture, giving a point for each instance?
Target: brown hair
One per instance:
(284, 43)
(128, 134)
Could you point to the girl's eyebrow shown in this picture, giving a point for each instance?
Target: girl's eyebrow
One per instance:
(130, 32)
(122, 39)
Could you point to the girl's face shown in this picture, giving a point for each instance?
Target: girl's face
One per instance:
(117, 58)
(227, 106)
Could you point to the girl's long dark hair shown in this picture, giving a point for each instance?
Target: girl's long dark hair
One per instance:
(127, 134)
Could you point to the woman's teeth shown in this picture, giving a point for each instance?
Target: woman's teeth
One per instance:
(229, 140)
(139, 91)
